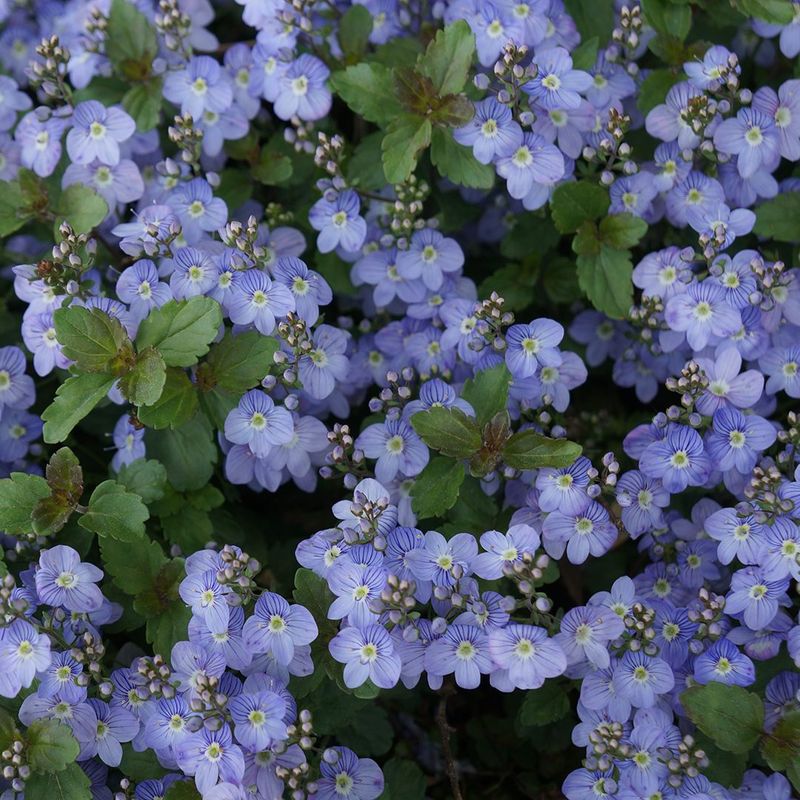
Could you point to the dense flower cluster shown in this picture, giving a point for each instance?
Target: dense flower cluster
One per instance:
(155, 283)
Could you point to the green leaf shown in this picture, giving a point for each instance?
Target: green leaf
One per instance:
(622, 230)
(654, 88)
(407, 136)
(368, 89)
(65, 479)
(169, 628)
(781, 746)
(274, 168)
(313, 593)
(14, 212)
(181, 330)
(730, 715)
(162, 592)
(592, 18)
(456, 162)
(606, 280)
(355, 27)
(82, 207)
(403, 780)
(448, 430)
(145, 478)
(448, 58)
(779, 218)
(574, 203)
(175, 406)
(51, 746)
(584, 55)
(143, 102)
(90, 337)
(132, 575)
(666, 17)
(724, 767)
(115, 512)
(779, 12)
(182, 790)
(191, 529)
(239, 361)
(530, 450)
(144, 384)
(364, 167)
(188, 453)
(542, 706)
(19, 494)
(72, 783)
(140, 766)
(75, 398)
(487, 392)
(435, 489)
(131, 42)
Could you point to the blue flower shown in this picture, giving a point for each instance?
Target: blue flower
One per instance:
(589, 531)
(531, 170)
(525, 655)
(259, 423)
(345, 776)
(355, 585)
(39, 136)
(129, 441)
(194, 273)
(338, 222)
(197, 209)
(491, 133)
(430, 256)
(753, 138)
(278, 629)
(256, 300)
(368, 654)
(309, 288)
(701, 312)
(114, 725)
(585, 633)
(737, 440)
(463, 650)
(302, 90)
(201, 86)
(210, 756)
(678, 460)
(755, 598)
(532, 346)
(62, 579)
(723, 663)
(140, 287)
(96, 133)
(326, 363)
(641, 678)
(23, 653)
(557, 84)
(396, 448)
(258, 720)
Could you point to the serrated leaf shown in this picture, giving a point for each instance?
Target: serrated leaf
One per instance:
(778, 12)
(448, 430)
(574, 203)
(188, 453)
(584, 55)
(730, 715)
(530, 450)
(131, 41)
(487, 392)
(435, 489)
(19, 494)
(71, 783)
(14, 212)
(622, 231)
(181, 330)
(143, 102)
(146, 478)
(89, 337)
(368, 89)
(406, 137)
(781, 746)
(239, 361)
(144, 384)
(169, 628)
(115, 512)
(75, 398)
(132, 575)
(51, 746)
(162, 592)
(448, 58)
(654, 88)
(667, 17)
(456, 162)
(779, 218)
(175, 406)
(355, 27)
(82, 207)
(606, 278)
(544, 705)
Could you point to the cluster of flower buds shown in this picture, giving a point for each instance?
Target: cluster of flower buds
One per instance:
(49, 73)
